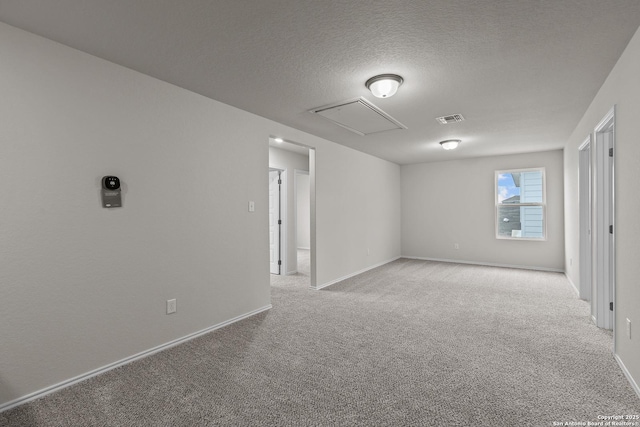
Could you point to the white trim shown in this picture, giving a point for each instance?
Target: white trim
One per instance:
(625, 371)
(605, 120)
(573, 285)
(348, 276)
(284, 216)
(488, 264)
(312, 202)
(71, 381)
(585, 224)
(586, 143)
(306, 249)
(292, 272)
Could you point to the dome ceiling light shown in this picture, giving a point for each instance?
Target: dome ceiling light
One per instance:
(384, 85)
(450, 144)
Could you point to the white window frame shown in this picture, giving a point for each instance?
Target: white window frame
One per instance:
(543, 204)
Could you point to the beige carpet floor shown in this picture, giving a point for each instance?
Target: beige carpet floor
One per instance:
(411, 343)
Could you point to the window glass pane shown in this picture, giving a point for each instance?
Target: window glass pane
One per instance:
(508, 188)
(520, 187)
(520, 221)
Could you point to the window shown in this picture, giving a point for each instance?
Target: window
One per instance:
(520, 204)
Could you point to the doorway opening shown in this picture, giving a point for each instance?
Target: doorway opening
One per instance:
(603, 236)
(296, 164)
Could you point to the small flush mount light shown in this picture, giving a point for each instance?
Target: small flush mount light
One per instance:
(279, 140)
(450, 144)
(384, 85)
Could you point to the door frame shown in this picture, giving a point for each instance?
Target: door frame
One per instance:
(313, 283)
(585, 207)
(312, 196)
(603, 273)
(282, 246)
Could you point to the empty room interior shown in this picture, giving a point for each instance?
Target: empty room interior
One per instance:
(319, 213)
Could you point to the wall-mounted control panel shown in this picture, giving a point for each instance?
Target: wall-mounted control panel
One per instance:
(111, 197)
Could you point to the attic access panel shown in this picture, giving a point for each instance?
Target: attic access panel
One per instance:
(359, 116)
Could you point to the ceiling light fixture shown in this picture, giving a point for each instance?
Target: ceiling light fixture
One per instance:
(450, 144)
(279, 140)
(384, 85)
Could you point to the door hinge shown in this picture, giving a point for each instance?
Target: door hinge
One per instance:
(279, 181)
(280, 263)
(611, 229)
(279, 222)
(610, 152)
(611, 306)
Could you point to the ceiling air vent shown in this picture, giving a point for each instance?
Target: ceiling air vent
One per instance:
(453, 118)
(359, 116)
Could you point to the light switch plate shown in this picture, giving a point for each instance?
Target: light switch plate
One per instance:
(171, 306)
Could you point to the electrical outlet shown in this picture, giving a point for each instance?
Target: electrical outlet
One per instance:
(368, 251)
(252, 206)
(628, 328)
(171, 306)
(456, 246)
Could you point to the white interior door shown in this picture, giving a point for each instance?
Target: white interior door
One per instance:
(603, 276)
(274, 221)
(611, 219)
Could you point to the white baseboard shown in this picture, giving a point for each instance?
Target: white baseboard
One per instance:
(290, 273)
(625, 371)
(573, 285)
(302, 247)
(333, 282)
(45, 391)
(488, 264)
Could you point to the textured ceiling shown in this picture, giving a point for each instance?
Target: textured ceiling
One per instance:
(522, 72)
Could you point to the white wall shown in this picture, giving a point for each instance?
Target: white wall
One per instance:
(303, 213)
(357, 199)
(357, 212)
(444, 203)
(289, 162)
(622, 88)
(82, 286)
